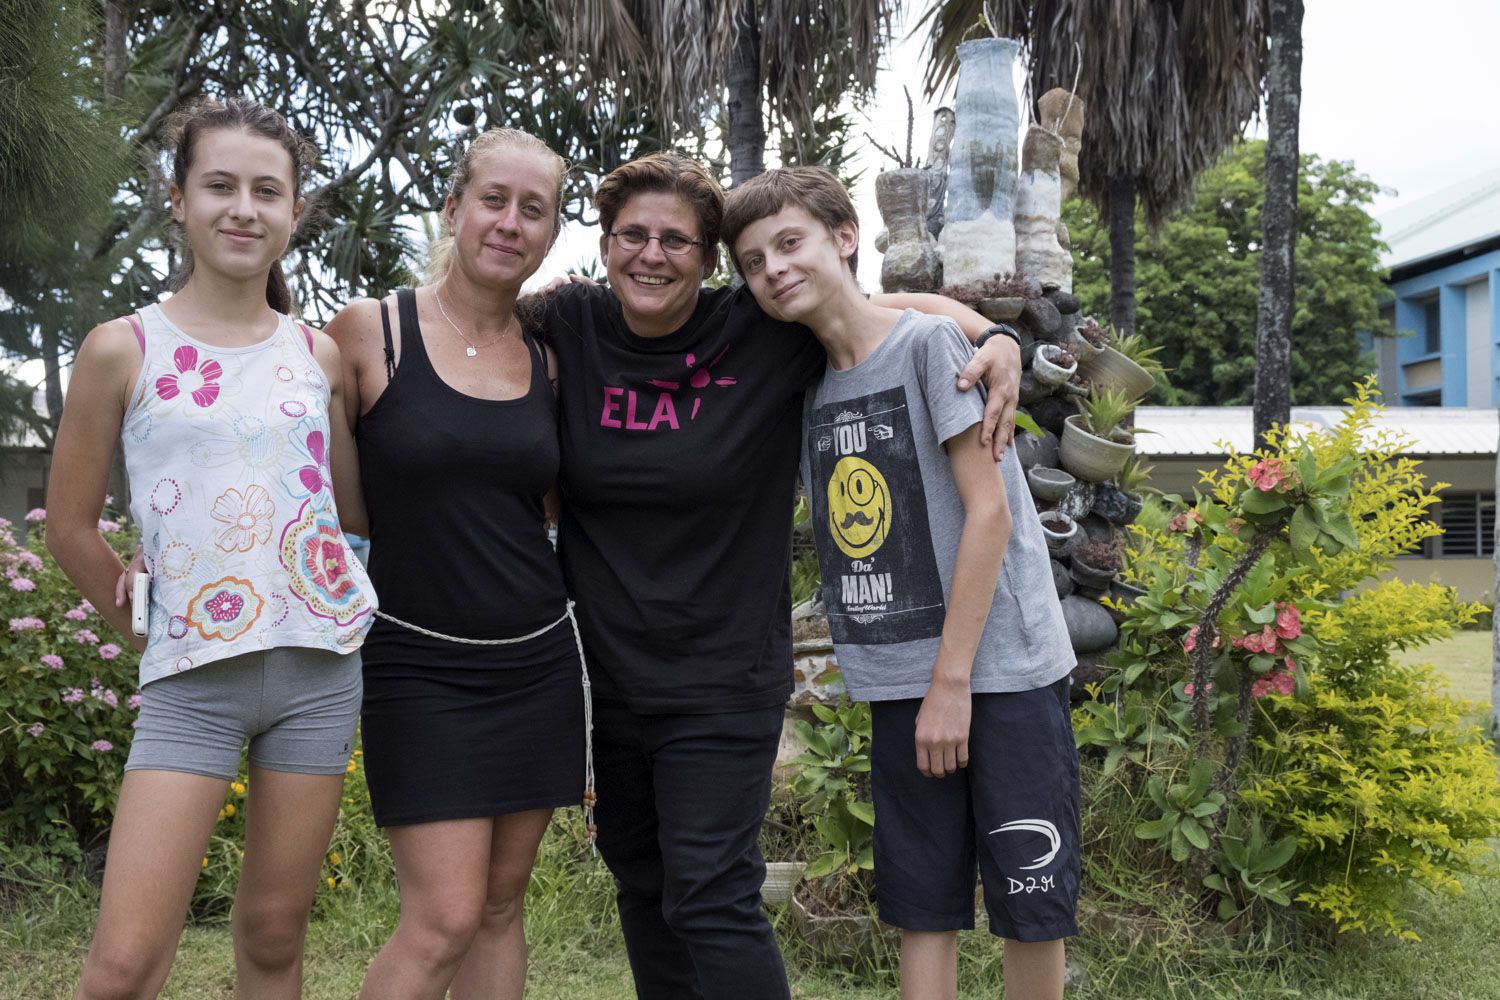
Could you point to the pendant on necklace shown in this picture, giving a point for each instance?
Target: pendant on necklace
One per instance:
(471, 352)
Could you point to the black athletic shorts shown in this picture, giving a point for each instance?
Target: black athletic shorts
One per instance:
(1013, 810)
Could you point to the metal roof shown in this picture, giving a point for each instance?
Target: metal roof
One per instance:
(1457, 216)
(1202, 431)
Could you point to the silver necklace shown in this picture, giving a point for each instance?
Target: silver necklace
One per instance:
(472, 349)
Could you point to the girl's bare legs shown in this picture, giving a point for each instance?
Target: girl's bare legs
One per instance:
(495, 967)
(156, 846)
(289, 819)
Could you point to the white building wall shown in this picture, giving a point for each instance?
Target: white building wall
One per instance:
(1477, 309)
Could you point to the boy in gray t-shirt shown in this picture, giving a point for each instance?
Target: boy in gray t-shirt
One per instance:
(939, 597)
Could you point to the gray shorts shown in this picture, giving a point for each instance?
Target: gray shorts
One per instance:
(297, 707)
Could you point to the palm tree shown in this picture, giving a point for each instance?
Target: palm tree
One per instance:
(793, 59)
(1273, 327)
(1168, 85)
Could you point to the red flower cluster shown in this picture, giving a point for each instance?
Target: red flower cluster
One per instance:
(1288, 625)
(1272, 474)
(1277, 681)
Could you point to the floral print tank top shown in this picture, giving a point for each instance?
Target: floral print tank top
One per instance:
(227, 453)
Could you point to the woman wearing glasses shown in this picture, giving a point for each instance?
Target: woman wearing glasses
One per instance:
(679, 410)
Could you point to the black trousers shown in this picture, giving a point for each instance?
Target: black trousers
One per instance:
(681, 801)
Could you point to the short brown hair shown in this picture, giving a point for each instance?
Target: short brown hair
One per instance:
(814, 189)
(669, 173)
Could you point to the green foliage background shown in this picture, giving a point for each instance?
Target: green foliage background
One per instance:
(1198, 278)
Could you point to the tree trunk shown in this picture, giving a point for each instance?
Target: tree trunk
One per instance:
(52, 375)
(747, 126)
(1122, 254)
(1273, 328)
(116, 27)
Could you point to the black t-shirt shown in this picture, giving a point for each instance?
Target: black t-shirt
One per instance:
(679, 458)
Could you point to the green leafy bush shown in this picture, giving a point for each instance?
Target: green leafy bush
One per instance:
(1256, 700)
(68, 704)
(832, 780)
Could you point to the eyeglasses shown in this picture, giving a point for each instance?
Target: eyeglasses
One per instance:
(634, 240)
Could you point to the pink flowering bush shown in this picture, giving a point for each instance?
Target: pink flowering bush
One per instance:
(1290, 759)
(67, 705)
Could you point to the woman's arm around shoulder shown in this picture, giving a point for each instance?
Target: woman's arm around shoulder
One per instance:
(104, 374)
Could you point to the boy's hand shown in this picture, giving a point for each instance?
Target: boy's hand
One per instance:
(998, 365)
(943, 729)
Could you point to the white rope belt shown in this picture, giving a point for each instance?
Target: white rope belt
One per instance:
(589, 798)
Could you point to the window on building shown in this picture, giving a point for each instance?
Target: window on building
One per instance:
(1432, 326)
(1468, 521)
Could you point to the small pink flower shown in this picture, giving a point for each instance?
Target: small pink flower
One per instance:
(1261, 687)
(36, 729)
(108, 527)
(52, 661)
(86, 606)
(109, 651)
(108, 500)
(103, 746)
(36, 515)
(72, 696)
(85, 637)
(1190, 641)
(1178, 523)
(133, 702)
(26, 623)
(1288, 621)
(75, 614)
(22, 583)
(30, 560)
(1189, 687)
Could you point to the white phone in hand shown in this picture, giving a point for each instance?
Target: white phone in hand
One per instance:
(140, 603)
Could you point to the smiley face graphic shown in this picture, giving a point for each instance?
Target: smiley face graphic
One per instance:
(859, 507)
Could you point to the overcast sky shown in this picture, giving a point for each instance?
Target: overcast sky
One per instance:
(1409, 91)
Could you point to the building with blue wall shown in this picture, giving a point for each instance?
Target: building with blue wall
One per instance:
(1444, 260)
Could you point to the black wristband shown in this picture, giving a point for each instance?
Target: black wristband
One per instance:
(999, 329)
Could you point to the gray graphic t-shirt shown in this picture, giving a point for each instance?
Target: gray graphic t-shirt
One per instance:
(887, 517)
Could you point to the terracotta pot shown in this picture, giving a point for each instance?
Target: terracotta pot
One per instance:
(1109, 369)
(1048, 485)
(1090, 457)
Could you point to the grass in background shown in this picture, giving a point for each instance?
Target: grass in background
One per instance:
(1160, 954)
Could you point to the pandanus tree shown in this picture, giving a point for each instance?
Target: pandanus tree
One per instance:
(788, 63)
(1168, 84)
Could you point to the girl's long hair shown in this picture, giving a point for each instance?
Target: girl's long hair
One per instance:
(245, 115)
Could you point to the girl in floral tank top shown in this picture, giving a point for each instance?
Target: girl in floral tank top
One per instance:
(235, 437)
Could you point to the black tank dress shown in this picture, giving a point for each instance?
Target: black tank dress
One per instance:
(454, 485)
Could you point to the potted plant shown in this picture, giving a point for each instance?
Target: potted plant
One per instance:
(1048, 485)
(1059, 529)
(832, 780)
(1094, 444)
(1053, 365)
(1119, 365)
(1095, 565)
(1087, 341)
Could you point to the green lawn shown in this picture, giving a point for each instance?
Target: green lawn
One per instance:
(1466, 659)
(577, 951)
